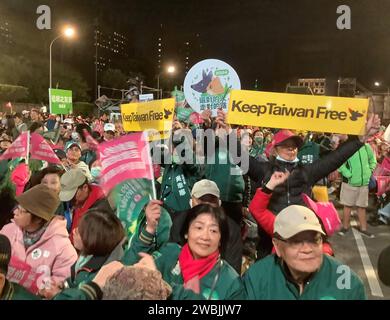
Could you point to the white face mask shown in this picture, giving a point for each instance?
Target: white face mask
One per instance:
(75, 136)
(288, 161)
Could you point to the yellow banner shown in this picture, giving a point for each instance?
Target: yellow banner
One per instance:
(297, 111)
(157, 115)
(153, 135)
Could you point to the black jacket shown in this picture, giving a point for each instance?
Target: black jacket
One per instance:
(302, 177)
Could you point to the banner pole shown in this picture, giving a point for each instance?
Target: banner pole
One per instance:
(28, 147)
(151, 167)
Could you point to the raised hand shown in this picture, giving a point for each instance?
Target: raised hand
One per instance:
(153, 212)
(277, 178)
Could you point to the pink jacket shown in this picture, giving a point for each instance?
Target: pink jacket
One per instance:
(53, 254)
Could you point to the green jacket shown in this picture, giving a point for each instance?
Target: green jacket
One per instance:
(80, 285)
(143, 241)
(268, 280)
(309, 152)
(228, 285)
(176, 187)
(231, 186)
(13, 291)
(358, 168)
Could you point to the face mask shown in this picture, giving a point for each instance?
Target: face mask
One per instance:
(288, 161)
(95, 172)
(75, 136)
(259, 140)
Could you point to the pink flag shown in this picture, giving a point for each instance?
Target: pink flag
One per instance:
(92, 143)
(124, 158)
(23, 274)
(17, 149)
(41, 150)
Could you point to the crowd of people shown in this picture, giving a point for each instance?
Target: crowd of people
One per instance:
(59, 226)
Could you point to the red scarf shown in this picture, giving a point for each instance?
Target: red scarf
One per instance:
(191, 268)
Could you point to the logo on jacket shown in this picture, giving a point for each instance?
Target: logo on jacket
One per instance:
(354, 114)
(36, 254)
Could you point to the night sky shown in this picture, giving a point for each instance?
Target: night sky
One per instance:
(273, 41)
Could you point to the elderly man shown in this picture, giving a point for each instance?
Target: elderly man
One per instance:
(79, 196)
(300, 270)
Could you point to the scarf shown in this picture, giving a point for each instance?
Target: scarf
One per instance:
(195, 269)
(30, 238)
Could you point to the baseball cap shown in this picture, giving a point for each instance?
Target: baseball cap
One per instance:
(295, 219)
(109, 127)
(280, 138)
(204, 187)
(70, 144)
(70, 182)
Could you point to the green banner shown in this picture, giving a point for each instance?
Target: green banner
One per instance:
(60, 101)
(183, 114)
(131, 197)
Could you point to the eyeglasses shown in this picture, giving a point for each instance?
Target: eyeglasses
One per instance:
(298, 242)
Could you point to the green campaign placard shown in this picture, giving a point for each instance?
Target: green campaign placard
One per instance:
(60, 101)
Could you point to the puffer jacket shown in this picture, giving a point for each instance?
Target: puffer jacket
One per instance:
(53, 254)
(302, 177)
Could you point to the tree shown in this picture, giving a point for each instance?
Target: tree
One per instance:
(114, 78)
(12, 93)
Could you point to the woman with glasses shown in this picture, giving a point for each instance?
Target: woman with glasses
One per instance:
(41, 249)
(300, 270)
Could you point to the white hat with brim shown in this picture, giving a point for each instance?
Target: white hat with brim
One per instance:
(295, 219)
(70, 182)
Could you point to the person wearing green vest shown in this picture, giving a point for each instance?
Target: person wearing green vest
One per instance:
(300, 270)
(195, 269)
(180, 172)
(10, 290)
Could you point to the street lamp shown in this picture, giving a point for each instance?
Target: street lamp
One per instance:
(170, 69)
(68, 32)
(378, 84)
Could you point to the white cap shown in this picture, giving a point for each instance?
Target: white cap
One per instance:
(109, 127)
(295, 219)
(204, 187)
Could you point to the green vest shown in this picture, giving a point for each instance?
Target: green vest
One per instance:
(268, 280)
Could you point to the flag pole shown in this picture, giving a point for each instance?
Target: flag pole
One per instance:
(150, 167)
(28, 147)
